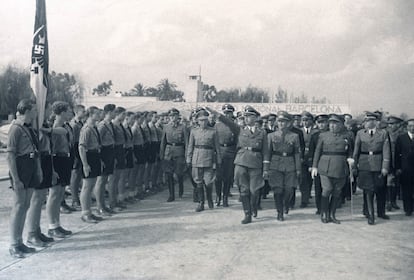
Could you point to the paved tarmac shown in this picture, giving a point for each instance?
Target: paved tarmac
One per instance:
(154, 239)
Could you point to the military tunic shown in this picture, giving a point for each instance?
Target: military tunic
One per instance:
(172, 148)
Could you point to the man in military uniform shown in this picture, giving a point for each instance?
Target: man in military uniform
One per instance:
(248, 171)
(282, 165)
(202, 153)
(173, 145)
(332, 155)
(322, 123)
(372, 155)
(25, 173)
(306, 180)
(394, 125)
(227, 140)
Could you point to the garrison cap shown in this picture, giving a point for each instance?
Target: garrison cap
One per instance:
(335, 118)
(227, 108)
(371, 116)
(173, 112)
(283, 115)
(202, 115)
(394, 119)
(249, 110)
(321, 118)
(306, 115)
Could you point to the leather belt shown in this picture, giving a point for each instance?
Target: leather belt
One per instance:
(251, 149)
(283, 154)
(29, 155)
(205, 147)
(228, 145)
(94, 151)
(175, 144)
(372, 153)
(61, 154)
(108, 146)
(334, 153)
(45, 154)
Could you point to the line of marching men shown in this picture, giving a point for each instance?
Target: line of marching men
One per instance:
(120, 153)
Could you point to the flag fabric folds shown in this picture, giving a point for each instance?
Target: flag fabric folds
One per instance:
(40, 60)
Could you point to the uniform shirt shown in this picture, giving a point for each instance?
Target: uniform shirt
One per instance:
(153, 132)
(138, 136)
(106, 133)
(331, 154)
(251, 147)
(119, 133)
(44, 143)
(89, 138)
(283, 151)
(227, 140)
(62, 143)
(372, 153)
(147, 132)
(76, 127)
(173, 134)
(129, 142)
(203, 156)
(19, 139)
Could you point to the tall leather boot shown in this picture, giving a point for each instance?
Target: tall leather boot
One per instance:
(180, 186)
(388, 206)
(209, 192)
(394, 191)
(219, 184)
(200, 192)
(324, 209)
(259, 199)
(278, 197)
(226, 190)
(246, 209)
(370, 207)
(253, 202)
(381, 200)
(287, 194)
(365, 206)
(170, 182)
(195, 195)
(335, 201)
(293, 199)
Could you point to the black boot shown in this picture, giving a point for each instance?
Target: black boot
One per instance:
(218, 192)
(388, 206)
(247, 210)
(365, 206)
(180, 186)
(209, 192)
(200, 192)
(195, 195)
(394, 205)
(253, 202)
(278, 197)
(335, 201)
(226, 191)
(170, 182)
(370, 207)
(324, 209)
(293, 199)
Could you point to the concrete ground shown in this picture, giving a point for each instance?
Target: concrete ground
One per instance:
(154, 239)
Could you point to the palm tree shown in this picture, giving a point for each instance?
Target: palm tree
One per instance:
(138, 90)
(166, 89)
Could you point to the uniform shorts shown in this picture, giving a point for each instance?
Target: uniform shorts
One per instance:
(370, 181)
(63, 167)
(140, 154)
(279, 179)
(175, 165)
(120, 157)
(27, 172)
(47, 170)
(108, 160)
(129, 157)
(203, 175)
(248, 179)
(94, 161)
(152, 152)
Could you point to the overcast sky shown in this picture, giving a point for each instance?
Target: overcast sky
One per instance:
(357, 51)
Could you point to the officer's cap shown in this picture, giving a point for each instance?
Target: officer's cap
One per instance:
(173, 112)
(250, 111)
(394, 119)
(335, 118)
(322, 118)
(227, 108)
(202, 115)
(371, 116)
(306, 115)
(297, 116)
(283, 115)
(272, 116)
(349, 115)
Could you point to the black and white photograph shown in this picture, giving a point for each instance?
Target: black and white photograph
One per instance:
(178, 139)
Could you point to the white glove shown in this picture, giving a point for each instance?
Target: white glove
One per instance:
(350, 161)
(314, 172)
